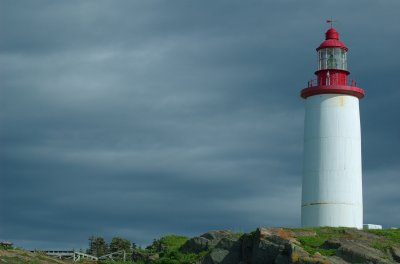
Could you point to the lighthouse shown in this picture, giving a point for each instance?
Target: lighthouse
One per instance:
(332, 173)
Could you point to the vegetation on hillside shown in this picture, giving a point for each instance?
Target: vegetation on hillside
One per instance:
(389, 238)
(18, 256)
(99, 247)
(166, 250)
(312, 244)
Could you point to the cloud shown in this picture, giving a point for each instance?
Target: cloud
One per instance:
(140, 119)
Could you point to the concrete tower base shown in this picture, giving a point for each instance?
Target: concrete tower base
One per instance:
(332, 174)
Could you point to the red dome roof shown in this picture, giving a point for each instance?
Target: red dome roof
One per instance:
(332, 40)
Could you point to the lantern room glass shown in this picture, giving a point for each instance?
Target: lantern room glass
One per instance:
(332, 58)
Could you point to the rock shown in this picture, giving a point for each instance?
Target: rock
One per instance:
(247, 247)
(333, 243)
(267, 246)
(313, 260)
(227, 251)
(281, 259)
(228, 243)
(297, 252)
(195, 245)
(233, 245)
(358, 252)
(354, 251)
(276, 245)
(205, 241)
(355, 233)
(337, 260)
(317, 258)
(216, 256)
(395, 252)
(266, 251)
(279, 246)
(215, 236)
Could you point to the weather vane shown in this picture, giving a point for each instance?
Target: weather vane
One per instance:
(331, 21)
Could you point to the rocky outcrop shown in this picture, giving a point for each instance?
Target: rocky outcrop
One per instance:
(225, 252)
(205, 242)
(280, 246)
(395, 253)
(215, 236)
(355, 251)
(265, 245)
(195, 245)
(276, 245)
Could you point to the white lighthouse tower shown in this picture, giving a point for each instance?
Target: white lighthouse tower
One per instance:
(332, 175)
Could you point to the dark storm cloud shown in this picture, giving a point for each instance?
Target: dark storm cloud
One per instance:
(144, 118)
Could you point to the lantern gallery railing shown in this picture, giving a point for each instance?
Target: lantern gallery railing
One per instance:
(330, 81)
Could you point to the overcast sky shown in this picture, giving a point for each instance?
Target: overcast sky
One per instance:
(143, 118)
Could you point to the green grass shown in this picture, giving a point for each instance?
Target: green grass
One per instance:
(392, 235)
(23, 260)
(322, 230)
(390, 238)
(6, 247)
(12, 260)
(313, 244)
(171, 254)
(176, 257)
(382, 245)
(238, 234)
(173, 242)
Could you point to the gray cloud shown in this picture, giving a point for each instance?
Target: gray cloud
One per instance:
(140, 119)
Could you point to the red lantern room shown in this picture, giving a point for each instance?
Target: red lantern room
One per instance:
(332, 73)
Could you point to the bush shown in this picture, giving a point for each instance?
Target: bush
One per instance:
(168, 248)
